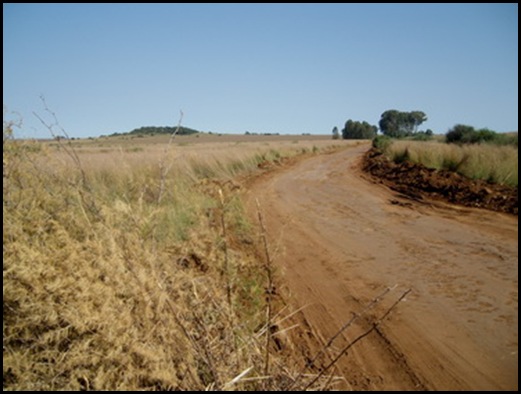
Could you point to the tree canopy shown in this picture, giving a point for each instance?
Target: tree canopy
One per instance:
(355, 130)
(399, 124)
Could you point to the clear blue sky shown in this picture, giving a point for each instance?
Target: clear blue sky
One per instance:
(288, 68)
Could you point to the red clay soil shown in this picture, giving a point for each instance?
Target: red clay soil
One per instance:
(338, 238)
(418, 181)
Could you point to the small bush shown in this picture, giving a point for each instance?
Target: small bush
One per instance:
(381, 142)
(463, 134)
(422, 136)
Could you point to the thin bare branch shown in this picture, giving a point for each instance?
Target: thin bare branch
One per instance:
(355, 316)
(163, 170)
(373, 327)
(85, 190)
(71, 152)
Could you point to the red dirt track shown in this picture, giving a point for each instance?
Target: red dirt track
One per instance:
(340, 238)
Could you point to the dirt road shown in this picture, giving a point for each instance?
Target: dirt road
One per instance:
(341, 240)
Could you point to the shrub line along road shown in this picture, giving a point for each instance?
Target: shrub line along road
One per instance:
(342, 239)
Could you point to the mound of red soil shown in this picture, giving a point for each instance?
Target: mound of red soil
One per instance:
(418, 181)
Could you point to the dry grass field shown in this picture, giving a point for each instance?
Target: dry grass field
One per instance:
(127, 263)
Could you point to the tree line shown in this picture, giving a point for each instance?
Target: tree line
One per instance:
(400, 124)
(393, 123)
(152, 130)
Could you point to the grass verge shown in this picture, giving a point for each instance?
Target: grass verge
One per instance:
(108, 287)
(492, 163)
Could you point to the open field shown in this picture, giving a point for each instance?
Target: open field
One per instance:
(127, 266)
(183, 140)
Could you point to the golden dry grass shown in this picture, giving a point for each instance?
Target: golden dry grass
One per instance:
(497, 164)
(104, 288)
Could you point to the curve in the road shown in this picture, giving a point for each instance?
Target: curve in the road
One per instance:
(343, 239)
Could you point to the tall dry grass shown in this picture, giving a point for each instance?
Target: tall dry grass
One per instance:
(104, 288)
(497, 164)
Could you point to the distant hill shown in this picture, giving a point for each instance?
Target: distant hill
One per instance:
(152, 130)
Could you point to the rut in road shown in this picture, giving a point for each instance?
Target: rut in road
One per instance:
(342, 239)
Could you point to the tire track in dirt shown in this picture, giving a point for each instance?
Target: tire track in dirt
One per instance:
(341, 239)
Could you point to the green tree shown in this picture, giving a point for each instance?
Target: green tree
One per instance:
(415, 118)
(399, 124)
(336, 134)
(354, 130)
(390, 123)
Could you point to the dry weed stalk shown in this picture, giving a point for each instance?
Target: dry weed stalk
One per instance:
(163, 169)
(355, 317)
(68, 149)
(225, 248)
(85, 190)
(269, 289)
(227, 274)
(373, 327)
(10, 149)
